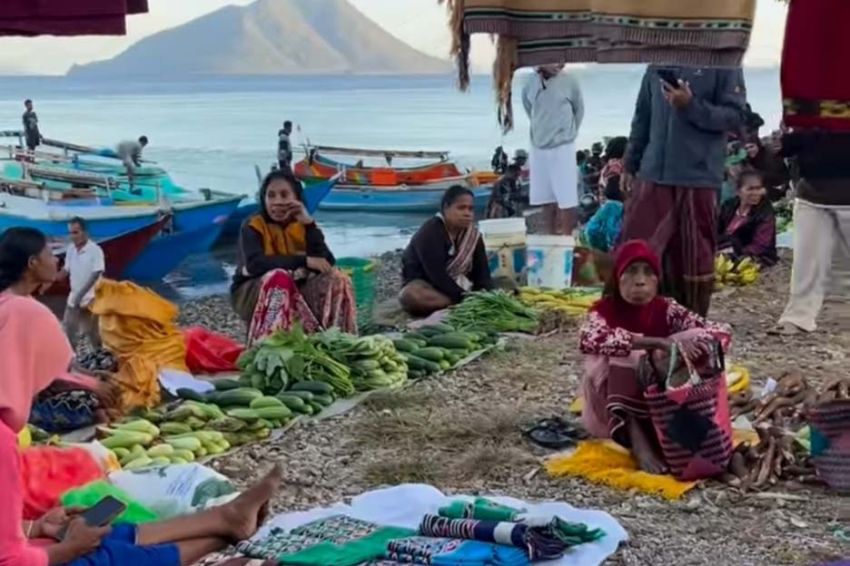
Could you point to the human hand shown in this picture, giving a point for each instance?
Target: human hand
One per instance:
(50, 525)
(299, 213)
(680, 97)
(82, 539)
(319, 264)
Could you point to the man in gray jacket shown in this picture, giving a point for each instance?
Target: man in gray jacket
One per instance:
(555, 108)
(674, 169)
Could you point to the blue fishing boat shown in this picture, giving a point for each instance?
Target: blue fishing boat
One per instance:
(417, 199)
(195, 229)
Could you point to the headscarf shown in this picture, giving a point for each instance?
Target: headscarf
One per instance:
(647, 320)
(33, 353)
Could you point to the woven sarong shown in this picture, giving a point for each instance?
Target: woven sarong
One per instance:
(830, 425)
(815, 84)
(537, 32)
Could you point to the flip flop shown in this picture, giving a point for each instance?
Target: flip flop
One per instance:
(786, 329)
(555, 433)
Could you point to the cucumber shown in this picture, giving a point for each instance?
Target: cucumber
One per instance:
(274, 414)
(317, 408)
(453, 341)
(324, 400)
(247, 415)
(433, 354)
(305, 395)
(444, 365)
(403, 345)
(319, 387)
(191, 395)
(226, 384)
(421, 364)
(415, 336)
(263, 402)
(293, 403)
(241, 397)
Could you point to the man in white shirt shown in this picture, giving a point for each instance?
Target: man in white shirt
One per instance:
(84, 264)
(553, 101)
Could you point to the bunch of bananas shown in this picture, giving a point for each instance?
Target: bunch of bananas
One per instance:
(729, 273)
(573, 301)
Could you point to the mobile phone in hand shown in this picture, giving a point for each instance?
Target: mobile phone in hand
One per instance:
(103, 513)
(669, 76)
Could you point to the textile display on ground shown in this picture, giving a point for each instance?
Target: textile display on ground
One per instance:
(138, 327)
(606, 463)
(815, 86)
(539, 32)
(381, 507)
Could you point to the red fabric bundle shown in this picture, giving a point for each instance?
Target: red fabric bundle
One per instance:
(208, 352)
(815, 83)
(47, 473)
(61, 17)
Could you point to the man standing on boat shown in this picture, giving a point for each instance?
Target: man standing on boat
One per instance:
(84, 264)
(32, 135)
(555, 107)
(284, 147)
(130, 153)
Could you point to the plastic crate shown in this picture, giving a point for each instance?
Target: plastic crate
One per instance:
(363, 274)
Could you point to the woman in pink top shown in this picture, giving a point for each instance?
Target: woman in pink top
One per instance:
(33, 351)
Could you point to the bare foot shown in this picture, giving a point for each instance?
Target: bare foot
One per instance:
(244, 515)
(644, 451)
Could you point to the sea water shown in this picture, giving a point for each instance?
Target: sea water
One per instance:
(211, 132)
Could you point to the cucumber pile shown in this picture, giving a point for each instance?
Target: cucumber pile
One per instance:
(434, 349)
(373, 360)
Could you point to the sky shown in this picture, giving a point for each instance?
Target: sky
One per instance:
(421, 23)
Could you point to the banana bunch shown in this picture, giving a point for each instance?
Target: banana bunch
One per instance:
(575, 302)
(729, 273)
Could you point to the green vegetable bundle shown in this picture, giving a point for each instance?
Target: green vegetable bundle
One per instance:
(493, 311)
(374, 361)
(286, 358)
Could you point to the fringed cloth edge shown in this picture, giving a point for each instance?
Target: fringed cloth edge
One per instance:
(603, 463)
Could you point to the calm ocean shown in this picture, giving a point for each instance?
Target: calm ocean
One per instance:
(210, 132)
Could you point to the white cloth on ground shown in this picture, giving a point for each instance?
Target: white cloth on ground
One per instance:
(172, 380)
(817, 231)
(81, 265)
(554, 176)
(406, 505)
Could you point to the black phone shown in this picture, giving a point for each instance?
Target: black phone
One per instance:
(101, 514)
(669, 77)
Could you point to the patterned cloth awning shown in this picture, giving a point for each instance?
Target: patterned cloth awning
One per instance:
(713, 33)
(68, 17)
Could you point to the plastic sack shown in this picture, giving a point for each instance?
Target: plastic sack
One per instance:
(208, 352)
(90, 494)
(138, 327)
(176, 490)
(48, 472)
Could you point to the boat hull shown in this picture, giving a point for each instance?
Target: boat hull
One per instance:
(56, 225)
(368, 199)
(322, 167)
(195, 229)
(118, 253)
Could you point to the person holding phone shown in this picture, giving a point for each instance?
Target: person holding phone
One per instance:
(674, 168)
(33, 352)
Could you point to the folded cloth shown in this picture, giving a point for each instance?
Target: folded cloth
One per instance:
(547, 541)
(815, 84)
(278, 542)
(370, 547)
(482, 509)
(337, 529)
(605, 463)
(453, 552)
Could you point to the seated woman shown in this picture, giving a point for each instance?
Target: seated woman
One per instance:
(33, 351)
(628, 323)
(75, 399)
(445, 258)
(747, 223)
(285, 271)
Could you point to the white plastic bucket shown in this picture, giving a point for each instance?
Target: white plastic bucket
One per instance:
(504, 239)
(550, 261)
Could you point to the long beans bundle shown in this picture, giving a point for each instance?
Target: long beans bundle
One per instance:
(493, 311)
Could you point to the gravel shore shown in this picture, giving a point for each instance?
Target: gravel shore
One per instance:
(461, 433)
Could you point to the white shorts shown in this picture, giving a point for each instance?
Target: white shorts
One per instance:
(554, 176)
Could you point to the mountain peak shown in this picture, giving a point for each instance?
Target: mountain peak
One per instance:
(271, 37)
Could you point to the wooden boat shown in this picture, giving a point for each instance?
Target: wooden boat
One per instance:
(404, 199)
(118, 251)
(316, 165)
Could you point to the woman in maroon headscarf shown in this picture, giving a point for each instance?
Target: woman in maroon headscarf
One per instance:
(631, 321)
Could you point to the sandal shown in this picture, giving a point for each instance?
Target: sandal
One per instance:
(555, 433)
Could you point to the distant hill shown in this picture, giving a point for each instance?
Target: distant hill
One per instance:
(271, 37)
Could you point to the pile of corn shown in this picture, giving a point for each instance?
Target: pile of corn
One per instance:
(575, 302)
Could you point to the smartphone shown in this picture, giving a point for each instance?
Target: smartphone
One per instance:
(103, 513)
(669, 77)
